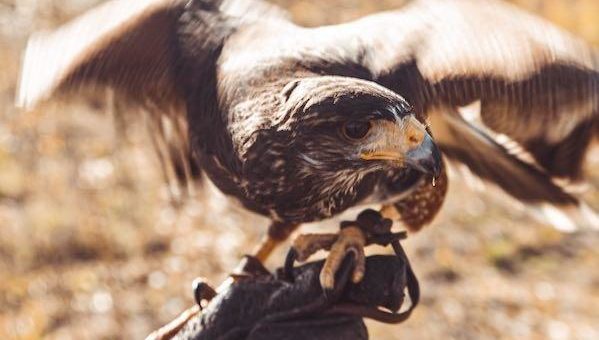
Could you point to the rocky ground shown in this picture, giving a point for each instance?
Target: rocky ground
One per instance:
(91, 248)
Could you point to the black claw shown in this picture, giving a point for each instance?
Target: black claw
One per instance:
(202, 291)
(341, 278)
(288, 267)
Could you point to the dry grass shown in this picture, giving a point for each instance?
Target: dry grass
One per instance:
(91, 248)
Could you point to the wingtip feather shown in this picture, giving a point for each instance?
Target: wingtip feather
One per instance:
(34, 78)
(568, 219)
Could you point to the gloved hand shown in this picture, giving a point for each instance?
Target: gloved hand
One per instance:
(272, 306)
(291, 303)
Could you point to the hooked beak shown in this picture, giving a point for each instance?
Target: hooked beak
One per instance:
(426, 158)
(405, 144)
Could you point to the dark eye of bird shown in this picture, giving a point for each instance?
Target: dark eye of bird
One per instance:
(356, 129)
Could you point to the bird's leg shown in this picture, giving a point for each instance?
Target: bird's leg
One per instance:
(277, 233)
(353, 237)
(390, 211)
(409, 210)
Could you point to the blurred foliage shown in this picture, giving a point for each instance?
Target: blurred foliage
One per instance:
(90, 247)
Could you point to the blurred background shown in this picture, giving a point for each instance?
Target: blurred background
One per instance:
(91, 248)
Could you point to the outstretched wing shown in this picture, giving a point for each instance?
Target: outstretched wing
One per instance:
(538, 88)
(130, 47)
(127, 45)
(143, 49)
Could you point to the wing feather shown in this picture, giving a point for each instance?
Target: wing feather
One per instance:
(537, 84)
(460, 140)
(148, 52)
(538, 88)
(127, 45)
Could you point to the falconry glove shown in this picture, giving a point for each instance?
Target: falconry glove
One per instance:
(270, 307)
(290, 304)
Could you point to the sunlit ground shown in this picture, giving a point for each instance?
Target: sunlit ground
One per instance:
(91, 248)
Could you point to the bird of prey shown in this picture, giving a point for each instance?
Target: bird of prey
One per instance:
(300, 124)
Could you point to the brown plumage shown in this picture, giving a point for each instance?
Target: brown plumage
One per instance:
(257, 102)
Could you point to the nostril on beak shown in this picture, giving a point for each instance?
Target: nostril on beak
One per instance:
(414, 132)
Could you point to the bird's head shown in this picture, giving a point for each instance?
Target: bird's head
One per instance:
(341, 124)
(333, 132)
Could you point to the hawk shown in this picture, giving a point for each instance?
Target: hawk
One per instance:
(300, 124)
